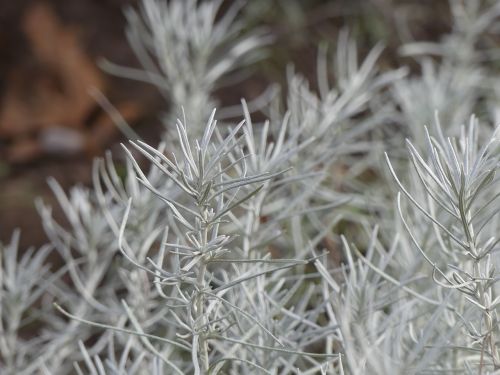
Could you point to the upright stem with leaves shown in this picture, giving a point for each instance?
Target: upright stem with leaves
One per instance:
(460, 188)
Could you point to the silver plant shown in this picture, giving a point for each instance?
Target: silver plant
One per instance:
(459, 200)
(24, 283)
(188, 50)
(215, 259)
(215, 291)
(458, 72)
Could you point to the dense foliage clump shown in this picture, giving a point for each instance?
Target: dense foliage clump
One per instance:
(353, 232)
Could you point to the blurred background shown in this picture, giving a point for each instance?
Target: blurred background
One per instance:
(49, 60)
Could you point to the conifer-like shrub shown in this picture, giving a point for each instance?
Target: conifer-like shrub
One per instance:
(355, 231)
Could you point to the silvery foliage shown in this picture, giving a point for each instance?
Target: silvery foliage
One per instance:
(455, 189)
(341, 119)
(188, 49)
(395, 314)
(461, 187)
(215, 289)
(97, 280)
(381, 325)
(230, 227)
(23, 282)
(459, 76)
(212, 262)
(428, 301)
(198, 272)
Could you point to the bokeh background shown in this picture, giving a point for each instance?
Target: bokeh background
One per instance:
(49, 59)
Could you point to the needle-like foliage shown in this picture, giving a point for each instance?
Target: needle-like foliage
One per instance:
(288, 246)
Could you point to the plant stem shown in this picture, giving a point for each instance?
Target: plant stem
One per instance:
(201, 296)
